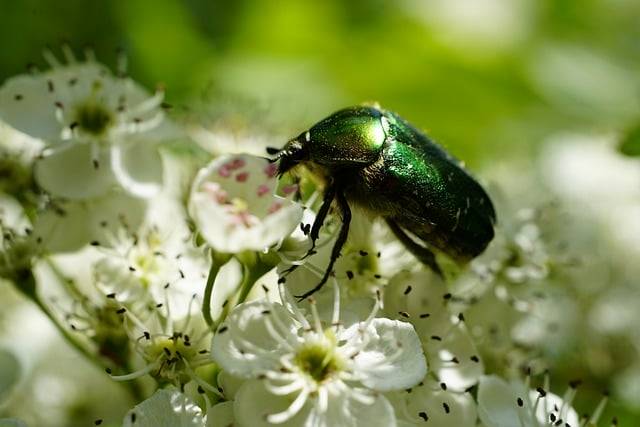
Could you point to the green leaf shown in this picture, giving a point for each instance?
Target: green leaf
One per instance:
(630, 143)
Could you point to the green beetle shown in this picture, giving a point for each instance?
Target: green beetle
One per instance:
(374, 159)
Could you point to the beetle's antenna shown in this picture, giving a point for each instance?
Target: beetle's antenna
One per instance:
(272, 150)
(279, 154)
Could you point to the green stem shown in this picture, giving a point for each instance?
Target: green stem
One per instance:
(217, 261)
(250, 277)
(68, 284)
(27, 287)
(69, 338)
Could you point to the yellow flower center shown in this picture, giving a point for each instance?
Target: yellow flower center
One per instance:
(93, 118)
(319, 359)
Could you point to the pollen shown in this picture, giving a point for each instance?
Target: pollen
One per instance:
(93, 118)
(319, 360)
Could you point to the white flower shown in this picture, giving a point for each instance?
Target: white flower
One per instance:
(503, 404)
(320, 374)
(92, 120)
(171, 351)
(423, 299)
(234, 207)
(166, 408)
(433, 403)
(157, 262)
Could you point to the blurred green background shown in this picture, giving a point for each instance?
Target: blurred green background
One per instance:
(489, 79)
(481, 76)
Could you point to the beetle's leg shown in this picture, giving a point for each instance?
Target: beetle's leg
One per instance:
(337, 247)
(298, 194)
(329, 195)
(423, 254)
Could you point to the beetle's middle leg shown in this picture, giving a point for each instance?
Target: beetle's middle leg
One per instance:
(337, 247)
(423, 254)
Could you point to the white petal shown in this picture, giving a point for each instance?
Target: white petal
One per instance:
(10, 372)
(230, 384)
(70, 172)
(467, 368)
(137, 167)
(419, 294)
(221, 415)
(439, 407)
(79, 223)
(345, 410)
(112, 275)
(254, 403)
(392, 359)
(498, 404)
(246, 347)
(166, 408)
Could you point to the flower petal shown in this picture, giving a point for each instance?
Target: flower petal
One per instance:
(345, 410)
(455, 360)
(70, 172)
(166, 407)
(392, 358)
(429, 402)
(137, 167)
(221, 415)
(71, 225)
(253, 403)
(498, 404)
(420, 295)
(245, 345)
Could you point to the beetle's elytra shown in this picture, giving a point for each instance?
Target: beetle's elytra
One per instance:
(374, 159)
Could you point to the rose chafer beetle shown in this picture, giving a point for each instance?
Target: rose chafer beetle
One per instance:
(375, 160)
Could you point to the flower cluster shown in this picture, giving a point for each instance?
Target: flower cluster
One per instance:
(175, 272)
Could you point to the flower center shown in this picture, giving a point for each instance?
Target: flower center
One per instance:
(93, 118)
(171, 353)
(318, 360)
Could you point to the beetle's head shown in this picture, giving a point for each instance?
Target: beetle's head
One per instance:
(293, 153)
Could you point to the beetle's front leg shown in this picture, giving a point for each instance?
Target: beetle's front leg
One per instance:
(329, 195)
(337, 247)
